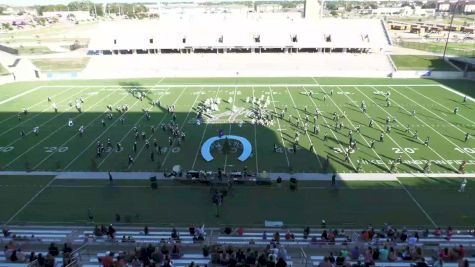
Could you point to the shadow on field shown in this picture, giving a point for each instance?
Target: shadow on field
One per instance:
(60, 147)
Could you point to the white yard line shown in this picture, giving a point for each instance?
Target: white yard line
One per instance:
(352, 125)
(244, 85)
(38, 114)
(435, 152)
(377, 124)
(456, 92)
(329, 126)
(202, 137)
(130, 130)
(418, 204)
(52, 133)
(278, 123)
(98, 137)
(448, 140)
(19, 95)
(181, 127)
(446, 108)
(29, 201)
(36, 104)
(230, 127)
(306, 133)
(76, 134)
(255, 138)
(448, 122)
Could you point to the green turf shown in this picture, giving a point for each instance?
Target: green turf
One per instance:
(58, 147)
(351, 204)
(466, 49)
(421, 62)
(61, 64)
(15, 191)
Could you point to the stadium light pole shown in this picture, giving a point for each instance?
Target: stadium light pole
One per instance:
(450, 28)
(448, 35)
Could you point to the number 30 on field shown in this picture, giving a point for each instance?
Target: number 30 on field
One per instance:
(400, 150)
(467, 150)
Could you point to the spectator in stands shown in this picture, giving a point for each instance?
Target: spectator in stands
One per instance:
(368, 256)
(176, 253)
(239, 231)
(450, 232)
(264, 235)
(306, 232)
(460, 251)
(6, 231)
(355, 253)
(67, 248)
(192, 230)
(438, 232)
(41, 260)
(228, 230)
(157, 256)
(421, 263)
(174, 234)
(164, 249)
(277, 237)
(53, 250)
(111, 232)
(32, 257)
(49, 260)
(325, 263)
(392, 256)
(438, 263)
(97, 231)
(281, 263)
(145, 230)
(463, 263)
(331, 258)
(383, 253)
(136, 262)
(289, 236)
(107, 260)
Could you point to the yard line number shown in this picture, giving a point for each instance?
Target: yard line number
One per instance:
(52, 149)
(468, 150)
(5, 149)
(401, 150)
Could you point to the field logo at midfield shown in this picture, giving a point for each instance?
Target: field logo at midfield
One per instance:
(246, 147)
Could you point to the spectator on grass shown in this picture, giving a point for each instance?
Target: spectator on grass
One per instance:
(53, 250)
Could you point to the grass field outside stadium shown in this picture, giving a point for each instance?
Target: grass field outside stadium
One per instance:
(414, 201)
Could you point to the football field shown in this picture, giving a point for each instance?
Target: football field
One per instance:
(407, 112)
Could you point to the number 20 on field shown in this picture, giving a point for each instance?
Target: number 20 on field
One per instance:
(467, 150)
